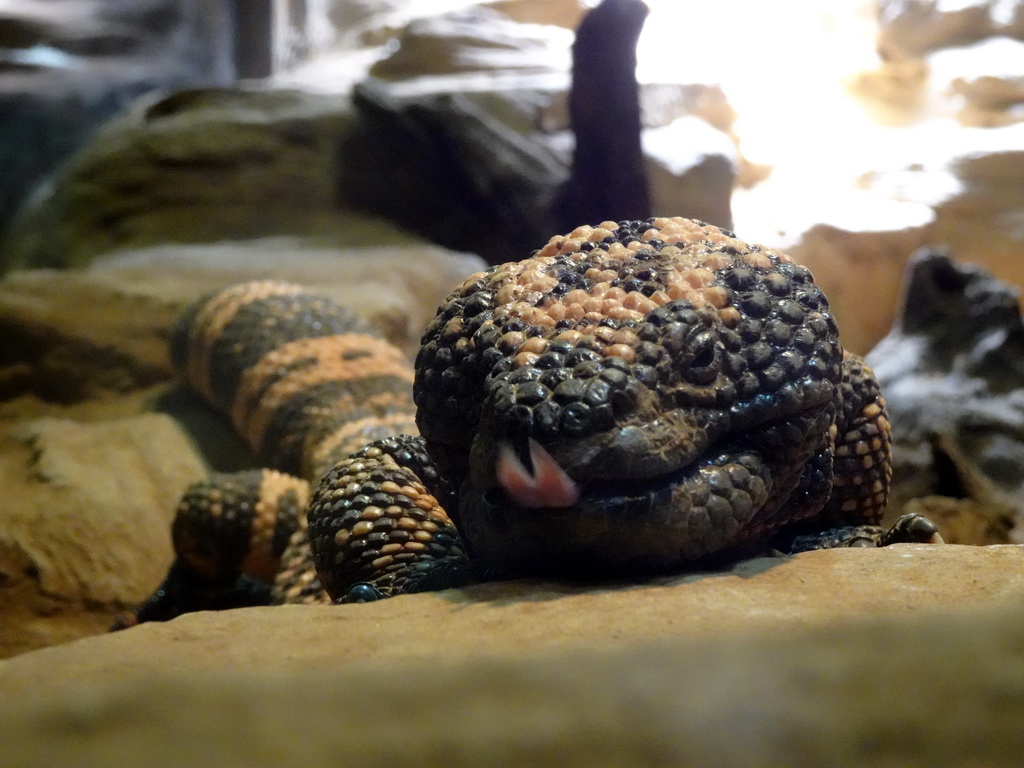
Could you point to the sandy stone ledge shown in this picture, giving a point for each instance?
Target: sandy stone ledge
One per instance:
(908, 656)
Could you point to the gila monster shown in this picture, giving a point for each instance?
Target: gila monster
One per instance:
(635, 398)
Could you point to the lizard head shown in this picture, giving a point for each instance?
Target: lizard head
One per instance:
(631, 396)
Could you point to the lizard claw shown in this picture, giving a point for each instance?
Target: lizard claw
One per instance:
(912, 529)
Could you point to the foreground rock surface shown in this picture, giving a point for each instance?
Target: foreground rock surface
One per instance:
(762, 665)
(515, 618)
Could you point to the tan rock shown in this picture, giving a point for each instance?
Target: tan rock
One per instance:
(95, 485)
(969, 178)
(967, 521)
(895, 93)
(560, 13)
(986, 80)
(909, 28)
(69, 337)
(373, 22)
(86, 521)
(981, 222)
(516, 618)
(764, 665)
(474, 40)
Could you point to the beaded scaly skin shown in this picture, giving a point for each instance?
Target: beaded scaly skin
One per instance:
(633, 398)
(308, 386)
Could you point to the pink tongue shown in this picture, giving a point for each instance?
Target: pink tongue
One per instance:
(549, 486)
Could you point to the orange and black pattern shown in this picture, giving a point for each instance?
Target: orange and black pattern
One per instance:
(306, 384)
(635, 397)
(302, 380)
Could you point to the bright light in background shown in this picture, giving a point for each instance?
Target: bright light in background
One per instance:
(781, 65)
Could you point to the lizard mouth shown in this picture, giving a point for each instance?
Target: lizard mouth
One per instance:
(636, 455)
(539, 516)
(544, 484)
(539, 522)
(685, 487)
